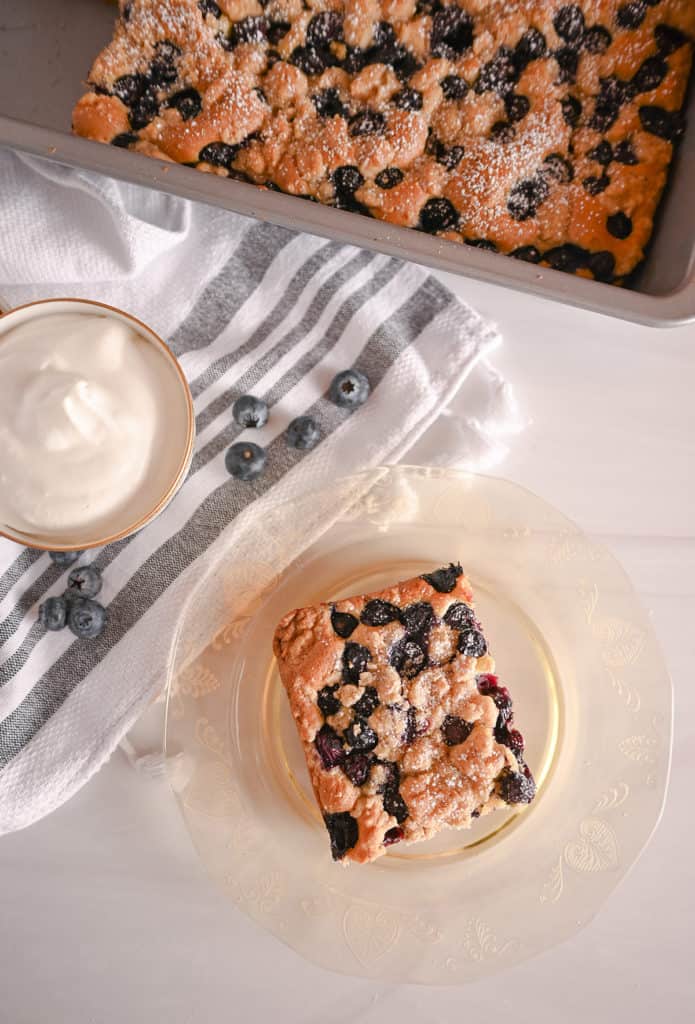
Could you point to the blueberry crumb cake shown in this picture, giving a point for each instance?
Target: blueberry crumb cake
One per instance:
(535, 128)
(405, 728)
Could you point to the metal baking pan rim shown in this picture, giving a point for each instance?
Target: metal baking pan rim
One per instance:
(666, 310)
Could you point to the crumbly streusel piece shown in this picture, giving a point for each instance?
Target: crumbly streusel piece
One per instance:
(405, 729)
(536, 128)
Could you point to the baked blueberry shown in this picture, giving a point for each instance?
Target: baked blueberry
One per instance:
(323, 28)
(602, 153)
(499, 75)
(631, 15)
(530, 47)
(64, 558)
(249, 411)
(308, 59)
(123, 140)
(567, 58)
(453, 87)
(665, 124)
(515, 787)
(516, 106)
(449, 158)
(602, 265)
(219, 154)
(327, 701)
(452, 32)
(650, 74)
(347, 179)
(613, 92)
(53, 613)
(245, 460)
(253, 29)
(360, 736)
(277, 30)
(571, 110)
(84, 580)
(367, 122)
(438, 215)
(472, 643)
(129, 88)
(455, 730)
(349, 389)
(357, 766)
(343, 623)
(86, 618)
(367, 704)
(393, 835)
(303, 433)
(378, 613)
(619, 225)
(511, 738)
(625, 154)
(356, 658)
(444, 580)
(481, 243)
(389, 177)
(394, 804)
(502, 131)
(408, 657)
(417, 618)
(568, 257)
(187, 102)
(329, 747)
(595, 185)
(343, 831)
(459, 616)
(558, 168)
(527, 253)
(210, 7)
(408, 99)
(669, 39)
(597, 39)
(569, 23)
(526, 196)
(329, 104)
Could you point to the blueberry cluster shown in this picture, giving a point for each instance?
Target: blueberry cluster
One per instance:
(246, 461)
(76, 607)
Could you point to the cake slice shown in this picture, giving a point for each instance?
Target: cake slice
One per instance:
(405, 728)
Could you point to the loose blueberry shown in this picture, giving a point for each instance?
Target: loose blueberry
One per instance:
(530, 47)
(527, 253)
(343, 623)
(417, 618)
(568, 257)
(53, 613)
(515, 788)
(360, 736)
(344, 833)
(443, 580)
(597, 39)
(303, 433)
(329, 747)
(594, 186)
(245, 460)
(438, 215)
(517, 107)
(631, 15)
(65, 558)
(389, 177)
(367, 704)
(455, 730)
(571, 110)
(665, 124)
(349, 389)
(526, 196)
(250, 412)
(453, 87)
(393, 835)
(187, 102)
(327, 701)
(460, 616)
(86, 618)
(85, 581)
(355, 661)
(452, 32)
(408, 657)
(619, 225)
(357, 766)
(378, 613)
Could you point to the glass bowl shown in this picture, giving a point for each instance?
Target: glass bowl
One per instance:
(591, 693)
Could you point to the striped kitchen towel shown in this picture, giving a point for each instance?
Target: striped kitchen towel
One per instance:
(247, 308)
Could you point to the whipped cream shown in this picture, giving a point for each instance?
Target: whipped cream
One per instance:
(83, 411)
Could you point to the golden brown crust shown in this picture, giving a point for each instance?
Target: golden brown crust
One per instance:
(474, 120)
(401, 737)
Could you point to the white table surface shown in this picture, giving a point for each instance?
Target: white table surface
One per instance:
(106, 914)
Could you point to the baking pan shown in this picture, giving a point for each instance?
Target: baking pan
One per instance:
(46, 49)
